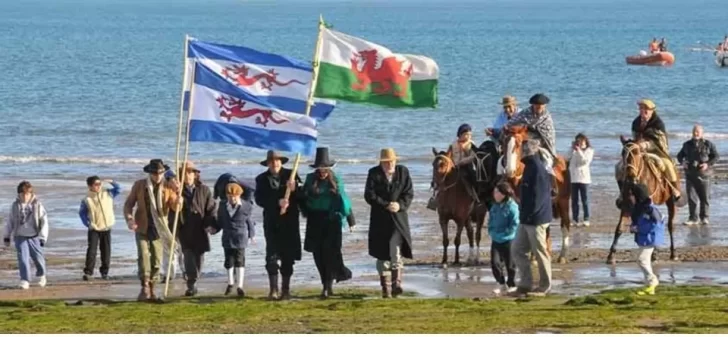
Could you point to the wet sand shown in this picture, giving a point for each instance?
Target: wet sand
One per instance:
(702, 250)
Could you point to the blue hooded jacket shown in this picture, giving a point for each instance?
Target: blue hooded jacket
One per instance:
(503, 221)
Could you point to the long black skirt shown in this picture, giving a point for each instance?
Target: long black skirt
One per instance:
(323, 239)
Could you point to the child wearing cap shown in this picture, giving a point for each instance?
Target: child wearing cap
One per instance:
(233, 218)
(27, 226)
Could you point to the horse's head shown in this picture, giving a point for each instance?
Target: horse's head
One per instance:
(631, 159)
(441, 165)
(512, 140)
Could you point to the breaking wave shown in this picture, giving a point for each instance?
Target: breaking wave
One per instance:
(142, 161)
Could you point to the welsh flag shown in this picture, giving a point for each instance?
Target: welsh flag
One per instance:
(356, 70)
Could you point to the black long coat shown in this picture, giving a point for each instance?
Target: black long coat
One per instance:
(282, 232)
(378, 193)
(194, 218)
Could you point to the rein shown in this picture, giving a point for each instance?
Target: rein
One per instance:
(444, 176)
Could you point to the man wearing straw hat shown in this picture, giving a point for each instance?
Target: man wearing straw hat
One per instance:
(389, 192)
(510, 106)
(153, 199)
(282, 232)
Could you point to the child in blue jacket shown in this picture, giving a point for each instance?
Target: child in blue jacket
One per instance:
(502, 225)
(648, 227)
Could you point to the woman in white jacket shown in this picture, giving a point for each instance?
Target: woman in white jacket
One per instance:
(580, 159)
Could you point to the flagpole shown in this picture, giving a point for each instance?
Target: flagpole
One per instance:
(181, 177)
(182, 103)
(309, 102)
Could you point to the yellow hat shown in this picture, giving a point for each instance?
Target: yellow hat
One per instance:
(508, 100)
(649, 104)
(233, 189)
(387, 154)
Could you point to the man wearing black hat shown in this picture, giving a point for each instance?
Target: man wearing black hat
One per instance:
(282, 233)
(540, 127)
(153, 199)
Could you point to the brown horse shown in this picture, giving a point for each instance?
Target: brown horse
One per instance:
(513, 138)
(455, 203)
(638, 170)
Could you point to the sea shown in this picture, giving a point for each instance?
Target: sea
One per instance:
(92, 87)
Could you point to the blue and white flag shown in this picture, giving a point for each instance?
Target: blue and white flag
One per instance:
(222, 112)
(282, 82)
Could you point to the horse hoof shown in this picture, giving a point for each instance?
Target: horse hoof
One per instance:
(444, 265)
(675, 258)
(611, 261)
(562, 260)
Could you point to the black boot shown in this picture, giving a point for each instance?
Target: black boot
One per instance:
(286, 288)
(273, 285)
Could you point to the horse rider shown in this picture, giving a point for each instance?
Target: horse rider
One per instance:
(540, 127)
(462, 153)
(648, 131)
(510, 106)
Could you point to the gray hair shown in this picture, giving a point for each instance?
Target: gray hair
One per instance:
(697, 126)
(530, 148)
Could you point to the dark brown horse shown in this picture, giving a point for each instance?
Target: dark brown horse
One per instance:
(513, 138)
(636, 170)
(455, 203)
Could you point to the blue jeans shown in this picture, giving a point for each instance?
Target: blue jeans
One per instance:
(578, 189)
(27, 249)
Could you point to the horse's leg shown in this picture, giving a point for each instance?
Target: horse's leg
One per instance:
(471, 241)
(671, 210)
(565, 229)
(479, 220)
(445, 240)
(458, 234)
(617, 234)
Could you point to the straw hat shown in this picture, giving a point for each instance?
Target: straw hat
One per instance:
(190, 167)
(649, 104)
(387, 155)
(508, 100)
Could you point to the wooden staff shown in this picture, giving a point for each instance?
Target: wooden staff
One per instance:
(181, 181)
(309, 102)
(182, 103)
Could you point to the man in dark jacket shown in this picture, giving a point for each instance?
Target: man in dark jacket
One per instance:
(389, 193)
(282, 232)
(698, 156)
(535, 216)
(198, 213)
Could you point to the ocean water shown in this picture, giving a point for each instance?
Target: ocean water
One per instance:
(92, 86)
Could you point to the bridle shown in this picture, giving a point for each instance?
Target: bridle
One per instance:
(451, 165)
(630, 149)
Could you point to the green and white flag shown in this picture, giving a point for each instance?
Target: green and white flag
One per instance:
(356, 70)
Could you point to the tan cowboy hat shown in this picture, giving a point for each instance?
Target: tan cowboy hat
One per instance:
(388, 154)
(190, 167)
(649, 104)
(508, 100)
(273, 155)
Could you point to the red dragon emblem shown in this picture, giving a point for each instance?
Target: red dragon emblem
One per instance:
(267, 80)
(391, 77)
(233, 108)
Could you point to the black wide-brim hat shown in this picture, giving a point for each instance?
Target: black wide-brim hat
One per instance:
(273, 155)
(156, 165)
(322, 159)
(539, 99)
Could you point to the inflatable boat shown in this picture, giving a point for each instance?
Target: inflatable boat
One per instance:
(721, 59)
(662, 58)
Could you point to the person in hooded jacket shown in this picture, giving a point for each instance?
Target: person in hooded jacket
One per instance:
(648, 227)
(27, 226)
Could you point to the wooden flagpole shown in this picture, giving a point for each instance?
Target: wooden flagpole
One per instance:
(309, 102)
(182, 103)
(181, 180)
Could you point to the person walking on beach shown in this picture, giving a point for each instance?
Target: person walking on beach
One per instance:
(199, 212)
(649, 231)
(535, 217)
(580, 159)
(510, 107)
(327, 207)
(389, 192)
(503, 221)
(27, 227)
(97, 214)
(698, 156)
(282, 231)
(233, 218)
(146, 211)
